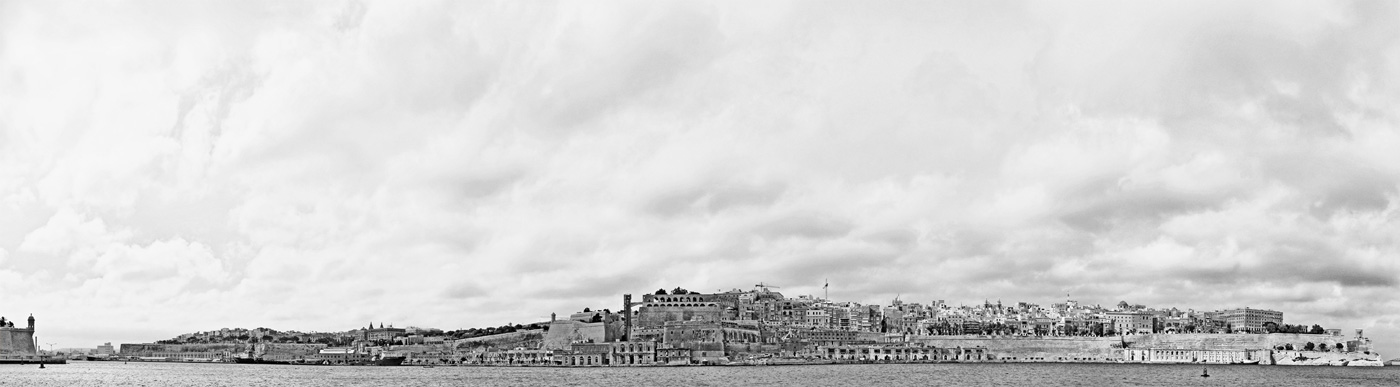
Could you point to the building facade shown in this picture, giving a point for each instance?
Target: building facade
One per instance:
(1249, 320)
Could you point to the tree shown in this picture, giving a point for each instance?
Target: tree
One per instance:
(679, 290)
(1340, 347)
(1271, 327)
(586, 310)
(1317, 330)
(660, 292)
(1309, 346)
(1288, 346)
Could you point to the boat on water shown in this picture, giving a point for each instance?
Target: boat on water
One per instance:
(388, 360)
(248, 360)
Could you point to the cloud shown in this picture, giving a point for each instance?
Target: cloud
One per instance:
(458, 164)
(67, 231)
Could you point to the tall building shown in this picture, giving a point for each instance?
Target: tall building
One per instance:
(1130, 322)
(1250, 320)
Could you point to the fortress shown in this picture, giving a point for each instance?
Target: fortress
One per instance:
(17, 344)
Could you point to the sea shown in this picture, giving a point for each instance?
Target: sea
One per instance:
(81, 373)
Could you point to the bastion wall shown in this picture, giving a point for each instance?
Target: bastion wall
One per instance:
(17, 341)
(1100, 348)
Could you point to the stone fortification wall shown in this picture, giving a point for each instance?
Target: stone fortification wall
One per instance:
(563, 333)
(1031, 348)
(1232, 341)
(1325, 358)
(1099, 348)
(17, 342)
(148, 349)
(525, 338)
(655, 315)
(287, 349)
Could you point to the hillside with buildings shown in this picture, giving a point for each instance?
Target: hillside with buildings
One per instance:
(763, 325)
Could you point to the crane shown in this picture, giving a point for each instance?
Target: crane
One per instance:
(765, 286)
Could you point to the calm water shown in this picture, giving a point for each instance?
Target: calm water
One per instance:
(177, 374)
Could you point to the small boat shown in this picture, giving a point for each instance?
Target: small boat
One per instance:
(1204, 374)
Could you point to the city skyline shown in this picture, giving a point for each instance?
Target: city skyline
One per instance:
(168, 167)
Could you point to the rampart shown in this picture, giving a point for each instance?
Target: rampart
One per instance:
(525, 338)
(563, 333)
(1033, 348)
(149, 349)
(1092, 349)
(17, 344)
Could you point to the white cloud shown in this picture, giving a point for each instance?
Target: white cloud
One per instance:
(380, 160)
(66, 232)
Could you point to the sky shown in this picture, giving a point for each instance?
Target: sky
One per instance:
(178, 166)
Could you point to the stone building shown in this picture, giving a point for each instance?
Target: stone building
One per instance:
(674, 356)
(633, 353)
(1138, 323)
(586, 354)
(662, 309)
(901, 353)
(1249, 320)
(373, 334)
